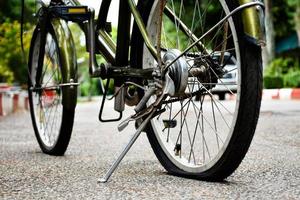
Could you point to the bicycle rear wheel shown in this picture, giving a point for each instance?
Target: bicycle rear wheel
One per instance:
(205, 139)
(52, 122)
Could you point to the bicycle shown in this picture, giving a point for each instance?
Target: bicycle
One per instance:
(173, 52)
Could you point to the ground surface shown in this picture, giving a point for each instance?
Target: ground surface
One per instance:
(271, 169)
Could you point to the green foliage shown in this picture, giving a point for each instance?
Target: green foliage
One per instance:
(12, 65)
(5, 74)
(292, 79)
(191, 15)
(90, 88)
(12, 10)
(93, 87)
(283, 13)
(281, 66)
(111, 86)
(282, 72)
(271, 82)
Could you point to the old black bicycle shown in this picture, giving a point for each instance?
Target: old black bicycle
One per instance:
(169, 58)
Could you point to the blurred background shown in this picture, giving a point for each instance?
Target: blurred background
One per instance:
(269, 171)
(281, 55)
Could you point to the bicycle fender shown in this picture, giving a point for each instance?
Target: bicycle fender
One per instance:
(68, 61)
(253, 22)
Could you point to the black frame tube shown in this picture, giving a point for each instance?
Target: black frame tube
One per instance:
(103, 12)
(43, 25)
(123, 37)
(121, 58)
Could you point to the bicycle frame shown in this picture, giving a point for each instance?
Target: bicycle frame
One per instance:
(117, 54)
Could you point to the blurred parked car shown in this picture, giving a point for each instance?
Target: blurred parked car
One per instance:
(228, 83)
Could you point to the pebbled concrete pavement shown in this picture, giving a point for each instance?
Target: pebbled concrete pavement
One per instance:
(271, 169)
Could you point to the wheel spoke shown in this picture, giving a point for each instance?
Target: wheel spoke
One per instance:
(47, 103)
(193, 134)
(215, 123)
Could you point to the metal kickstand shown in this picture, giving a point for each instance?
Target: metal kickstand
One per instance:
(142, 104)
(170, 90)
(126, 149)
(138, 108)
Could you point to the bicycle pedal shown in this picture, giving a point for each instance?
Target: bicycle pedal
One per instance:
(71, 13)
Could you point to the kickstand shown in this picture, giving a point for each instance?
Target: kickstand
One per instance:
(126, 149)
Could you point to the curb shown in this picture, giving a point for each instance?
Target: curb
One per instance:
(281, 94)
(12, 100)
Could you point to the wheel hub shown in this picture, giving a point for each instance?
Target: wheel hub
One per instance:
(206, 71)
(178, 71)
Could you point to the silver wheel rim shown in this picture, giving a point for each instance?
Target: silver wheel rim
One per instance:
(186, 162)
(47, 106)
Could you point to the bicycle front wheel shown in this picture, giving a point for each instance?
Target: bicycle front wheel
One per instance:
(201, 136)
(52, 122)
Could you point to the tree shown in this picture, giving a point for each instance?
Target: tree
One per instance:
(296, 16)
(283, 21)
(269, 51)
(282, 18)
(12, 10)
(12, 65)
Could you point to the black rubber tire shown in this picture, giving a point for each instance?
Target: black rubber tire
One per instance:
(250, 100)
(66, 126)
